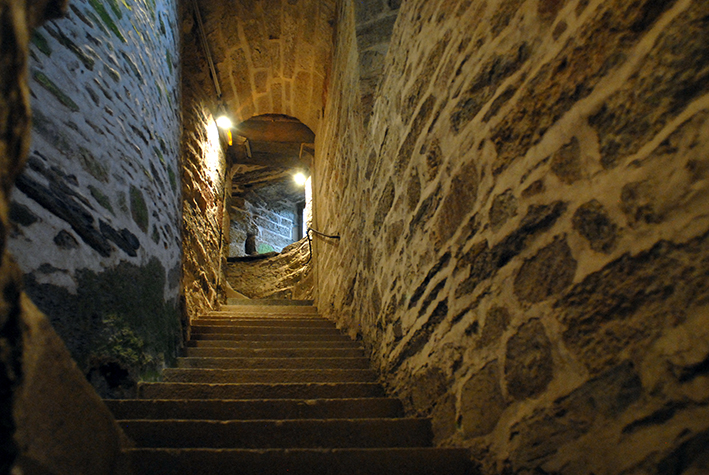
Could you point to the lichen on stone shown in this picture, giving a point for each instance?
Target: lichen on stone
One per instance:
(138, 208)
(50, 86)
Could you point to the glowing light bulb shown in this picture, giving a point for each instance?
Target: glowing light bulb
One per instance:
(224, 122)
(300, 178)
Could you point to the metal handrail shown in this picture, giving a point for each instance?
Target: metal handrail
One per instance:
(310, 241)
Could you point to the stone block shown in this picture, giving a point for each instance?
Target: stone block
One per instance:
(592, 221)
(504, 206)
(481, 402)
(528, 362)
(566, 162)
(546, 274)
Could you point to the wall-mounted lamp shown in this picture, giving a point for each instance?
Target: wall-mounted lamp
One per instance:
(224, 122)
(300, 178)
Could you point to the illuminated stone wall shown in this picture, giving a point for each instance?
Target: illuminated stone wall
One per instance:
(524, 227)
(205, 225)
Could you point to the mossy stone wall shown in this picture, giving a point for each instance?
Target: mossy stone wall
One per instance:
(98, 210)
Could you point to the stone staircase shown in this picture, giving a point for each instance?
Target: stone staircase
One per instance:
(271, 388)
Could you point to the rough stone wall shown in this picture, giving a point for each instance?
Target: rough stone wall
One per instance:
(374, 25)
(47, 409)
(270, 222)
(96, 212)
(525, 240)
(287, 275)
(205, 225)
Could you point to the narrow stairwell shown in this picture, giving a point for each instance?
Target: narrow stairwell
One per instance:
(270, 388)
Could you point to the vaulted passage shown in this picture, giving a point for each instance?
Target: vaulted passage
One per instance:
(505, 203)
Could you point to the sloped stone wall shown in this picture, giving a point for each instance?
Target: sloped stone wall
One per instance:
(287, 275)
(96, 213)
(524, 228)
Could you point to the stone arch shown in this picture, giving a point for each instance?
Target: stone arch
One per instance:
(271, 56)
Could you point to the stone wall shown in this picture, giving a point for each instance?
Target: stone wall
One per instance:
(96, 212)
(205, 225)
(524, 227)
(51, 420)
(272, 56)
(269, 220)
(287, 275)
(374, 20)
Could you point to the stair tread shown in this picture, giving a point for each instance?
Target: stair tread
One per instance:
(210, 375)
(304, 433)
(216, 352)
(267, 386)
(266, 344)
(259, 390)
(226, 362)
(269, 337)
(316, 461)
(250, 409)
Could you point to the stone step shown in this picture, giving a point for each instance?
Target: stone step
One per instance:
(253, 409)
(274, 353)
(289, 433)
(266, 330)
(259, 391)
(261, 322)
(267, 302)
(273, 363)
(375, 461)
(270, 344)
(240, 376)
(269, 337)
(285, 310)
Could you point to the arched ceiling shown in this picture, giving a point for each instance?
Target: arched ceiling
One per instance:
(271, 56)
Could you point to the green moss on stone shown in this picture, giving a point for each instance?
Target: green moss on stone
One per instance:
(73, 48)
(41, 43)
(98, 22)
(133, 67)
(116, 8)
(118, 316)
(169, 61)
(47, 83)
(101, 198)
(92, 166)
(156, 235)
(138, 208)
(119, 342)
(151, 8)
(106, 19)
(115, 75)
(158, 152)
(173, 181)
(123, 203)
